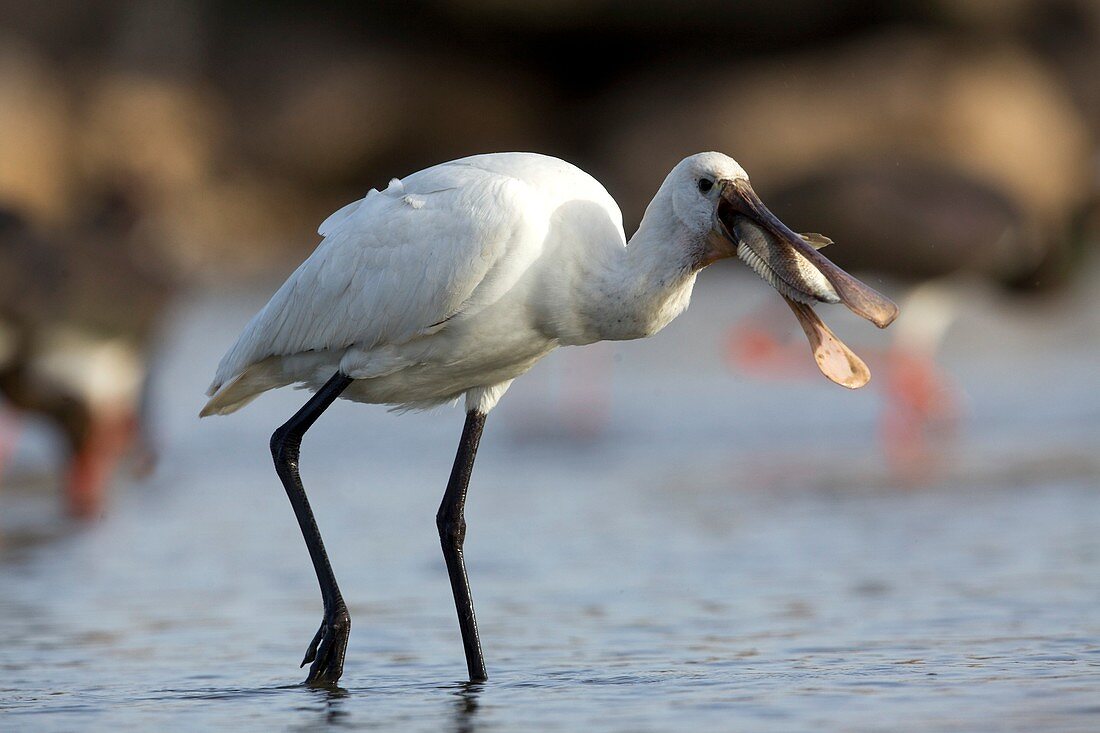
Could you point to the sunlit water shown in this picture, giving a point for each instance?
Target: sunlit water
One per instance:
(668, 546)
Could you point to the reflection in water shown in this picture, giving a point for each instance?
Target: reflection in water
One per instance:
(332, 707)
(336, 711)
(465, 709)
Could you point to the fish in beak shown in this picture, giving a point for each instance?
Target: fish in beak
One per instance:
(791, 264)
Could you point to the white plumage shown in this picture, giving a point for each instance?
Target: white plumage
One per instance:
(458, 278)
(453, 280)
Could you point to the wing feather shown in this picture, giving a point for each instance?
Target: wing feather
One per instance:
(391, 266)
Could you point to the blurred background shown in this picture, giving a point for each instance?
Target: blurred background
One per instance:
(165, 164)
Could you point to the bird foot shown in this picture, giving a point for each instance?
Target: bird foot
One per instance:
(326, 651)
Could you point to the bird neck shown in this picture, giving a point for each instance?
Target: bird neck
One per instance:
(639, 289)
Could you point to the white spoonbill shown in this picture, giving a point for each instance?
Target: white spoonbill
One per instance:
(455, 280)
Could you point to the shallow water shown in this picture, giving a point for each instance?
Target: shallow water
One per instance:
(684, 549)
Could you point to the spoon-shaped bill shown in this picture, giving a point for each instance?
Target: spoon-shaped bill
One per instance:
(835, 360)
(790, 255)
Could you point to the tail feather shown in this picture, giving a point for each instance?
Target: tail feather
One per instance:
(243, 388)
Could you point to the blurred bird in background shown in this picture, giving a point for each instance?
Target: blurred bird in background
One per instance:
(77, 314)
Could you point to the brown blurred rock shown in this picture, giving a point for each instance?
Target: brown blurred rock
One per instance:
(161, 134)
(991, 113)
(923, 221)
(242, 223)
(360, 114)
(322, 119)
(1066, 33)
(35, 129)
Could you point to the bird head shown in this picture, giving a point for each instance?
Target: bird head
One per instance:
(714, 189)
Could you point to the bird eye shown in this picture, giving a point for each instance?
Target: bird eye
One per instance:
(705, 184)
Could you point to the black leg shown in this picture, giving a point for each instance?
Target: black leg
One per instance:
(452, 532)
(326, 651)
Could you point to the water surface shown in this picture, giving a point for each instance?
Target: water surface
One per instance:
(667, 546)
